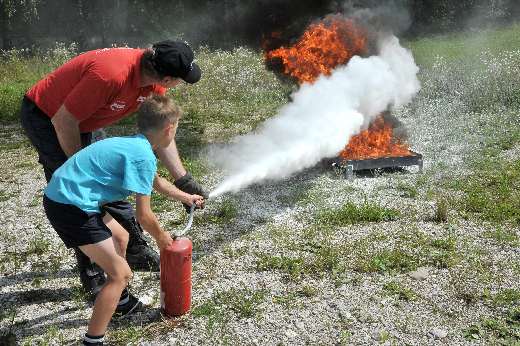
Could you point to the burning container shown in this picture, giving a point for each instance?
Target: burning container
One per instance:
(321, 48)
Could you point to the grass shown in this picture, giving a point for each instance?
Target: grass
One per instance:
(394, 288)
(237, 93)
(503, 236)
(220, 308)
(491, 192)
(20, 71)
(463, 46)
(350, 213)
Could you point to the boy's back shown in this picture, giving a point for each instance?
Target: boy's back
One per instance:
(106, 171)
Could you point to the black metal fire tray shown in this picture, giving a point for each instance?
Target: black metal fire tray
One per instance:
(350, 166)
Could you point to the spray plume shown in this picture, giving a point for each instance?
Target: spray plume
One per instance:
(322, 117)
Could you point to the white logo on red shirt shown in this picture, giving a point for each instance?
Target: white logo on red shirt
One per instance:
(141, 99)
(118, 105)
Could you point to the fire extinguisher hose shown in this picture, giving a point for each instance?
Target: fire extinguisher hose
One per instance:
(188, 225)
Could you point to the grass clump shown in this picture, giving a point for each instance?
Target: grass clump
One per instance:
(353, 214)
(503, 236)
(294, 267)
(242, 302)
(396, 289)
(491, 192)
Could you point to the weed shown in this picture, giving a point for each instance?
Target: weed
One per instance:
(126, 336)
(491, 191)
(244, 303)
(441, 211)
(226, 212)
(407, 190)
(386, 260)
(402, 293)
(507, 297)
(352, 214)
(503, 236)
(291, 266)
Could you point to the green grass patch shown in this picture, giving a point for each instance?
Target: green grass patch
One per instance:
(351, 213)
(225, 212)
(503, 236)
(460, 46)
(243, 303)
(492, 192)
(401, 292)
(407, 190)
(500, 330)
(235, 94)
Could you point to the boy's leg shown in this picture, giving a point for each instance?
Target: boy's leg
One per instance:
(118, 274)
(139, 255)
(119, 234)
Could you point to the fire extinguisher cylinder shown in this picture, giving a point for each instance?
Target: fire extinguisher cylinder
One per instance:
(176, 277)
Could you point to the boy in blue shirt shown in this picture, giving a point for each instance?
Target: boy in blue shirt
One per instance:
(107, 171)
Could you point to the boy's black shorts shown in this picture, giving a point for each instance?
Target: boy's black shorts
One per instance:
(74, 226)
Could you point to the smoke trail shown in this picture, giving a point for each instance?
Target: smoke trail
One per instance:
(321, 118)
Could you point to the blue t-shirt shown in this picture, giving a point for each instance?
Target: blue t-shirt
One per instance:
(106, 171)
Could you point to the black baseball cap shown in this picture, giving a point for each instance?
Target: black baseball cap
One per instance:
(175, 59)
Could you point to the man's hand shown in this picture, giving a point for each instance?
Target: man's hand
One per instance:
(189, 185)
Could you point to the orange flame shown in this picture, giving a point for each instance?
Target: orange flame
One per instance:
(322, 47)
(376, 141)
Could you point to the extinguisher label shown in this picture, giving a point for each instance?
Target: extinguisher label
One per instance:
(162, 299)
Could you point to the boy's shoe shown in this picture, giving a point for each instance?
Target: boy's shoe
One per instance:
(133, 305)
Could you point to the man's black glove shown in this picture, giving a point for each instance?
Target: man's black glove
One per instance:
(187, 184)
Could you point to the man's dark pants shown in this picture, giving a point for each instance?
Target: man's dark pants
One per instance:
(41, 133)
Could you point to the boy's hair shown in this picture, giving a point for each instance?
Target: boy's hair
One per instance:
(155, 112)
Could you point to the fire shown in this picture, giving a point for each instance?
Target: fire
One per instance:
(321, 48)
(376, 141)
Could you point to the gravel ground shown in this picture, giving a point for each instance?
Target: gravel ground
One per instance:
(42, 300)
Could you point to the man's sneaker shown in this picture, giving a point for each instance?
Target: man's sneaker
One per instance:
(140, 256)
(133, 305)
(92, 279)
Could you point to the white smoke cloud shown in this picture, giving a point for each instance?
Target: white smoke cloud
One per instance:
(321, 119)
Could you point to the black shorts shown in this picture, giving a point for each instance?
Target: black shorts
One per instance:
(74, 226)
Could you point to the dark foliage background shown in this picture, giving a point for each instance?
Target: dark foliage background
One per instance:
(226, 23)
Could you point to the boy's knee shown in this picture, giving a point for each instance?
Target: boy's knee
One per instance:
(122, 275)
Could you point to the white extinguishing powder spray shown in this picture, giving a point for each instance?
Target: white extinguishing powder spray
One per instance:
(321, 119)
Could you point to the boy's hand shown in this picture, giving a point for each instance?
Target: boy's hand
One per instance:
(163, 240)
(189, 185)
(193, 199)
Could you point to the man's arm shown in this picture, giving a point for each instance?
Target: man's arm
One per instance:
(67, 131)
(170, 158)
(146, 217)
(166, 188)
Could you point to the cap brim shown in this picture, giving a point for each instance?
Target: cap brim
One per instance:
(194, 75)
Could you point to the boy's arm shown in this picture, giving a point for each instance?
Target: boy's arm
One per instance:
(166, 188)
(146, 217)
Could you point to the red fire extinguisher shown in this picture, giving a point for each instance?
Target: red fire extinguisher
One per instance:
(176, 274)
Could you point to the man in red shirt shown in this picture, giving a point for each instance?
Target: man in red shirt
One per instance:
(96, 89)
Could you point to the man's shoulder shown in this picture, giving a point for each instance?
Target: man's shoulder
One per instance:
(113, 63)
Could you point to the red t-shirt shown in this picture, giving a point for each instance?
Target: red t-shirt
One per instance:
(98, 87)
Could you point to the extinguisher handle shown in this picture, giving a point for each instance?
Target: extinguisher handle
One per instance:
(188, 225)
